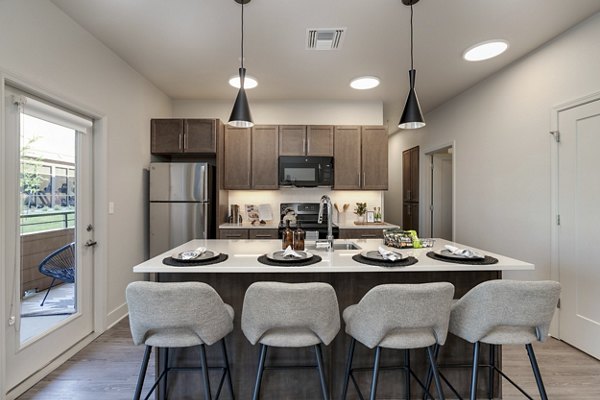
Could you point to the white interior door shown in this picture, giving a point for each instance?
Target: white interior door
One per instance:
(441, 198)
(579, 230)
(48, 164)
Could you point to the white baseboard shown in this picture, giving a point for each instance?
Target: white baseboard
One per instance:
(116, 315)
(54, 364)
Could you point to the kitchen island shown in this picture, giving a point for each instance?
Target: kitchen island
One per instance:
(351, 281)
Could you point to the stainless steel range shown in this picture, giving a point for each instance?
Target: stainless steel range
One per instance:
(307, 214)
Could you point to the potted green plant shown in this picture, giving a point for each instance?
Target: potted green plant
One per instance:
(360, 210)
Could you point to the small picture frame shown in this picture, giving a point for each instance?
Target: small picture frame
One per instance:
(370, 216)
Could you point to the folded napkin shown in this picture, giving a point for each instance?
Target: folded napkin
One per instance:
(388, 255)
(191, 254)
(289, 252)
(467, 253)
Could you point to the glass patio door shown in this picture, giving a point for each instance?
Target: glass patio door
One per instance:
(50, 235)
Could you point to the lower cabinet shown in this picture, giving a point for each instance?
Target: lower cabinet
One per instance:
(361, 233)
(233, 233)
(248, 234)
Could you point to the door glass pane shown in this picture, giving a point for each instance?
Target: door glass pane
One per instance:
(47, 225)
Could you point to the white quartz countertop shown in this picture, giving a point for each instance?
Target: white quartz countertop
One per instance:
(275, 225)
(243, 256)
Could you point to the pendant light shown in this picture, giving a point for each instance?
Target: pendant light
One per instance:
(412, 117)
(240, 115)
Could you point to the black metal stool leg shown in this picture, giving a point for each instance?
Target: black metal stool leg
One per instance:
(259, 373)
(436, 352)
(348, 368)
(319, 354)
(207, 395)
(142, 376)
(165, 383)
(536, 371)
(407, 374)
(226, 359)
(375, 373)
(435, 373)
(48, 292)
(474, 371)
(491, 371)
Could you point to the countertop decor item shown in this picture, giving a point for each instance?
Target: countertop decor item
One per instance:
(360, 210)
(240, 114)
(412, 117)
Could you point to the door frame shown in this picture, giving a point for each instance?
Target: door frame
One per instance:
(554, 190)
(426, 182)
(100, 201)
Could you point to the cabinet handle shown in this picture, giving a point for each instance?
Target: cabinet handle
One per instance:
(231, 235)
(368, 235)
(181, 141)
(364, 181)
(264, 236)
(359, 181)
(305, 145)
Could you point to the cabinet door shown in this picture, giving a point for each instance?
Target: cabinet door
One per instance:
(265, 147)
(292, 140)
(406, 175)
(166, 136)
(263, 234)
(414, 174)
(200, 136)
(346, 159)
(319, 141)
(237, 158)
(374, 142)
(410, 216)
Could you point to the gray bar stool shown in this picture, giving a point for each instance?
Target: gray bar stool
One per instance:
(399, 316)
(182, 314)
(502, 312)
(277, 314)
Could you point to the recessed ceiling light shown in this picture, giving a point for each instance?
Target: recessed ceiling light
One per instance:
(485, 50)
(364, 82)
(249, 82)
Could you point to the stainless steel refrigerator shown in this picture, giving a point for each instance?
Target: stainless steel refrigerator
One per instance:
(181, 204)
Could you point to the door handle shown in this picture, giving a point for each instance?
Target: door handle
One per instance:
(90, 243)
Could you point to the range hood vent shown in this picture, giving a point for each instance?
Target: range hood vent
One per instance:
(324, 39)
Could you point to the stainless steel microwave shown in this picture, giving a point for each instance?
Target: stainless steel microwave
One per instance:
(305, 171)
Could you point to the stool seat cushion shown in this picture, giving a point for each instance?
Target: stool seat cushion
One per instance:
(289, 337)
(172, 337)
(510, 335)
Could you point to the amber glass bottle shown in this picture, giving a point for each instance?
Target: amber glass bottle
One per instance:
(288, 236)
(298, 237)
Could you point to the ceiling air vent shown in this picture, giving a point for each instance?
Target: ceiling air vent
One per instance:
(324, 39)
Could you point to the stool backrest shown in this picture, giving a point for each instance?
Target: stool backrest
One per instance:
(500, 303)
(388, 308)
(195, 306)
(272, 305)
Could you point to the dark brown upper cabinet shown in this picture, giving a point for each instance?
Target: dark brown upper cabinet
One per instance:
(265, 147)
(360, 158)
(300, 140)
(237, 158)
(176, 136)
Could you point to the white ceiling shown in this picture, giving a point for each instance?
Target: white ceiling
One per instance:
(190, 48)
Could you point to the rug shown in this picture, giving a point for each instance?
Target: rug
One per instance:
(60, 301)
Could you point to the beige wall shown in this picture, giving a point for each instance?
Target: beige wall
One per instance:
(43, 48)
(502, 154)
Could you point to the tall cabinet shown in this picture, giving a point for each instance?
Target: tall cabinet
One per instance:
(410, 188)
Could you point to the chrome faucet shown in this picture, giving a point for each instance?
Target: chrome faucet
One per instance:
(327, 201)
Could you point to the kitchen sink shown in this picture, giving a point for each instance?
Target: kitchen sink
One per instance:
(337, 245)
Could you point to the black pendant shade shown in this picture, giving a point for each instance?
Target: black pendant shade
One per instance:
(412, 117)
(240, 115)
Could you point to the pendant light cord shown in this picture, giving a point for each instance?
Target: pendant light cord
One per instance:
(242, 34)
(411, 36)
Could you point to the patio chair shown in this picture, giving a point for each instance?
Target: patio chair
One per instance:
(60, 264)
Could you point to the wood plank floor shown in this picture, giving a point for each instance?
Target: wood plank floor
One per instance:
(108, 369)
